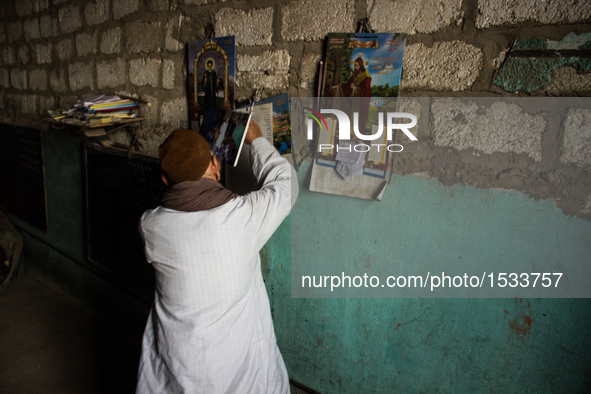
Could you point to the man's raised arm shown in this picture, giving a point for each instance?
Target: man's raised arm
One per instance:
(277, 182)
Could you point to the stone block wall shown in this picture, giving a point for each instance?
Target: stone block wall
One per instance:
(53, 52)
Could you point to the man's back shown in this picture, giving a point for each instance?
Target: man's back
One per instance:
(210, 329)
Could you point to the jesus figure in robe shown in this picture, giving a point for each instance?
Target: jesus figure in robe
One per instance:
(358, 85)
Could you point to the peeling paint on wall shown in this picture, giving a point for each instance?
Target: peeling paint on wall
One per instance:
(531, 62)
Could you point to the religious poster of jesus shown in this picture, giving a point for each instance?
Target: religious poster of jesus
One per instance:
(362, 75)
(361, 78)
(365, 66)
(212, 71)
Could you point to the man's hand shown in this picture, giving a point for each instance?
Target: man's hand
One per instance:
(253, 132)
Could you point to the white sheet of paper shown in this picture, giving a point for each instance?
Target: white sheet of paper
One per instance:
(263, 115)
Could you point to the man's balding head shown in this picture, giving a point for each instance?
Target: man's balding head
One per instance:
(184, 156)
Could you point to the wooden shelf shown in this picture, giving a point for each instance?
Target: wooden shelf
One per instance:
(83, 124)
(94, 130)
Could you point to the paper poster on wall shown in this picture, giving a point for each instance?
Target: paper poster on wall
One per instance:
(363, 65)
(211, 76)
(362, 79)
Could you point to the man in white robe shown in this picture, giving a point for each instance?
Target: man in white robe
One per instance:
(210, 328)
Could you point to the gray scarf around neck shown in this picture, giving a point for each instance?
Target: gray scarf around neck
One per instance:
(193, 196)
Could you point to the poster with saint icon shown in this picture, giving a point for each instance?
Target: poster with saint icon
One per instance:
(212, 72)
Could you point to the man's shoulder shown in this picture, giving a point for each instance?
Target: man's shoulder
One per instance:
(149, 214)
(239, 202)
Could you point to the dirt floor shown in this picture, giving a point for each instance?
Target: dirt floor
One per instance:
(50, 344)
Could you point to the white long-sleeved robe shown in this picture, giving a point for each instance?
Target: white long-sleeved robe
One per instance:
(210, 328)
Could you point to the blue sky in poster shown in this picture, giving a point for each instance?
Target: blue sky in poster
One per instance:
(383, 52)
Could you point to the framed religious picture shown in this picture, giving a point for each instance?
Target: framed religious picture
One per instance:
(212, 72)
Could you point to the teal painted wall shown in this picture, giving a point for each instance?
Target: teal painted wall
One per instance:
(383, 345)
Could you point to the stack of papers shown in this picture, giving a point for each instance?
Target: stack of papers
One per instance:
(100, 99)
(97, 110)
